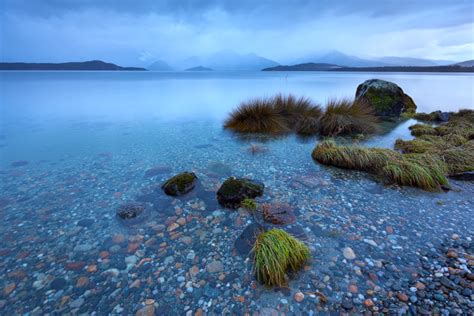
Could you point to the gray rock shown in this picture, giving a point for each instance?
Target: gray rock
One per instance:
(385, 98)
(215, 266)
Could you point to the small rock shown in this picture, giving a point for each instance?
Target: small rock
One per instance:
(348, 253)
(299, 296)
(402, 297)
(215, 266)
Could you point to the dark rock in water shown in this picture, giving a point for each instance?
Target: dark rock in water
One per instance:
(157, 170)
(180, 184)
(386, 98)
(19, 163)
(246, 240)
(465, 176)
(86, 222)
(58, 284)
(278, 213)
(233, 191)
(130, 210)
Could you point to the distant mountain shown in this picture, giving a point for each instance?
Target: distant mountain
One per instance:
(227, 60)
(337, 58)
(409, 61)
(467, 63)
(160, 65)
(304, 67)
(86, 65)
(199, 68)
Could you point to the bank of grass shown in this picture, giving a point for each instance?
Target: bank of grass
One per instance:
(276, 253)
(282, 114)
(425, 162)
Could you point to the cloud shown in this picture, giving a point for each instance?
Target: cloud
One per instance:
(135, 32)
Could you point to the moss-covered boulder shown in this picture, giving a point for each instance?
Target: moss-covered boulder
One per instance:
(233, 191)
(180, 184)
(386, 98)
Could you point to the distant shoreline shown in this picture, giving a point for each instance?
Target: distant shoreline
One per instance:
(93, 65)
(401, 69)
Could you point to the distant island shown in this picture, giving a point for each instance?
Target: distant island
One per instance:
(461, 67)
(74, 66)
(199, 68)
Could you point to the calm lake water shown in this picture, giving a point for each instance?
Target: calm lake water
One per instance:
(76, 145)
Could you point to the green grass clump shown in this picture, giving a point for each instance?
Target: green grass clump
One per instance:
(276, 115)
(344, 117)
(460, 158)
(420, 171)
(352, 157)
(276, 253)
(422, 129)
(249, 204)
(416, 146)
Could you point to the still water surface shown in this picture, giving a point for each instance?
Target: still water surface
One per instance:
(76, 145)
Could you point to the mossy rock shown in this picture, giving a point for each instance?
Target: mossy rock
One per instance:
(386, 98)
(180, 184)
(233, 191)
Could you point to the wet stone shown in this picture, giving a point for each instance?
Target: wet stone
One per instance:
(278, 213)
(233, 191)
(180, 184)
(130, 210)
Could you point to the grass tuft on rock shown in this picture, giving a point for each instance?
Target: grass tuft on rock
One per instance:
(276, 253)
(345, 117)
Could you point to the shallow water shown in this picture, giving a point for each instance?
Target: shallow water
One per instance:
(75, 145)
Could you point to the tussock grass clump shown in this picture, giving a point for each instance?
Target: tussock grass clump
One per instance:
(416, 146)
(420, 171)
(258, 115)
(276, 253)
(343, 117)
(276, 115)
(422, 129)
(460, 158)
(352, 157)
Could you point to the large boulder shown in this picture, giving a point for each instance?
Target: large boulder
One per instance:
(385, 97)
(180, 184)
(233, 191)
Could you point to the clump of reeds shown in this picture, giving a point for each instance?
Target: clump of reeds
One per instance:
(344, 117)
(276, 253)
(277, 114)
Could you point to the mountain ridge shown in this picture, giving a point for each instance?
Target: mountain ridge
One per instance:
(90, 65)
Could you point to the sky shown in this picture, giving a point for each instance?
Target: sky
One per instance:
(138, 32)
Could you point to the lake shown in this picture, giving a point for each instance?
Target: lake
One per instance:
(74, 146)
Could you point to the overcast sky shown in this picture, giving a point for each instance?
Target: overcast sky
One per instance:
(137, 32)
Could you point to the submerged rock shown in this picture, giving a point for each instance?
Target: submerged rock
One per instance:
(157, 170)
(246, 240)
(180, 184)
(385, 97)
(233, 191)
(278, 213)
(130, 210)
(463, 176)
